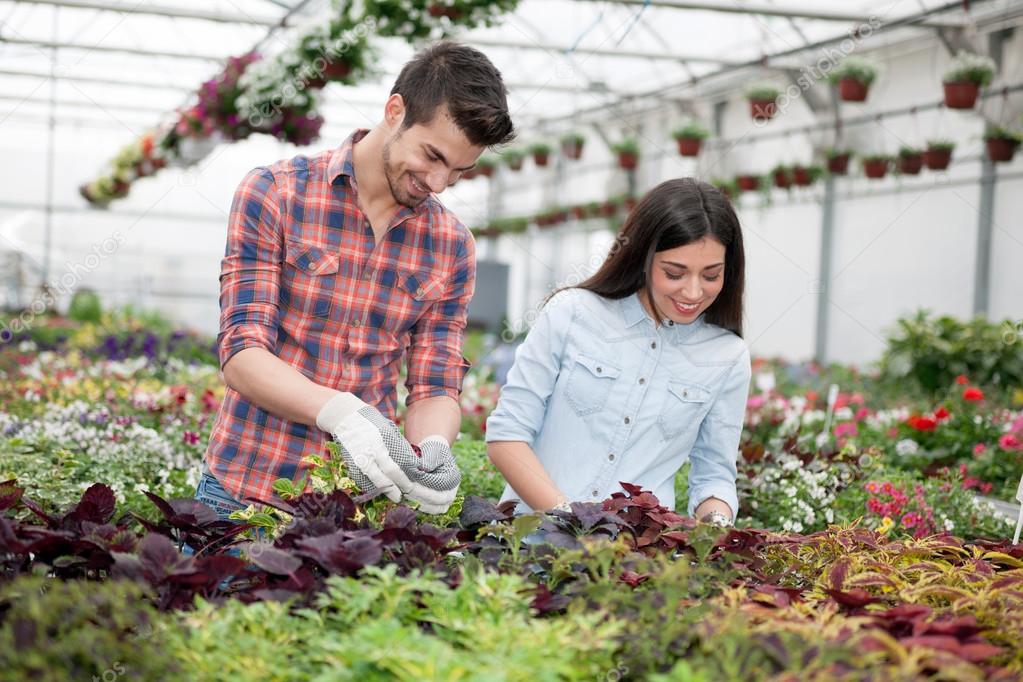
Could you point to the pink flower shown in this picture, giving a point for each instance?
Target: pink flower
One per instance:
(871, 487)
(755, 401)
(862, 414)
(191, 438)
(911, 520)
(845, 429)
(1009, 442)
(979, 449)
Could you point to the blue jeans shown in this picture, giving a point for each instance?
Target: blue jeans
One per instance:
(212, 494)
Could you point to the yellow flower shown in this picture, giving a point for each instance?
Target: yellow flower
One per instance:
(886, 525)
(1017, 397)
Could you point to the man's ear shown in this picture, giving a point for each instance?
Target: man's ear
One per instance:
(394, 111)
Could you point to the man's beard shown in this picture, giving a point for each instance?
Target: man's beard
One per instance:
(400, 195)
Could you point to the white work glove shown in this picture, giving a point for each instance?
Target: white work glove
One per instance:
(379, 458)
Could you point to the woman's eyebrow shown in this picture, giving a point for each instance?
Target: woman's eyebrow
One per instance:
(685, 267)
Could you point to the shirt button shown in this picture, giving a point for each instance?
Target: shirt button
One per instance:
(356, 322)
(611, 457)
(627, 420)
(653, 344)
(685, 394)
(596, 492)
(599, 370)
(420, 291)
(642, 380)
(311, 266)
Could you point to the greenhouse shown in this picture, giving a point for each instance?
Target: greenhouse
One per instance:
(511, 340)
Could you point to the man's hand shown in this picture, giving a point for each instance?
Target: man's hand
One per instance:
(379, 458)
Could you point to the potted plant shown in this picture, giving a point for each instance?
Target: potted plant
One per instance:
(747, 182)
(853, 76)
(964, 78)
(572, 145)
(485, 166)
(763, 101)
(513, 158)
(782, 175)
(628, 153)
(541, 152)
(690, 137)
(910, 160)
(804, 176)
(876, 165)
(938, 154)
(726, 186)
(579, 211)
(838, 160)
(1001, 144)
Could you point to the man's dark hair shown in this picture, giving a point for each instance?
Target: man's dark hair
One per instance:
(466, 82)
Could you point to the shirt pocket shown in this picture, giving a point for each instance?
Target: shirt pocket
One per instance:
(589, 383)
(684, 408)
(309, 280)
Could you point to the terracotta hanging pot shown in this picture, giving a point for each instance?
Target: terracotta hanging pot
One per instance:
(937, 159)
(852, 90)
(689, 146)
(961, 94)
(838, 164)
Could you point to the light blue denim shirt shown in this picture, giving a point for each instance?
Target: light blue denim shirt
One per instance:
(604, 395)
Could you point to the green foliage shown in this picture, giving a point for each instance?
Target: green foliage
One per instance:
(855, 68)
(692, 130)
(85, 306)
(56, 630)
(628, 145)
(928, 352)
(973, 68)
(382, 626)
(763, 92)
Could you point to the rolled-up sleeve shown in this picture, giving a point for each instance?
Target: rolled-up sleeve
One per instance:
(522, 404)
(251, 269)
(714, 454)
(436, 365)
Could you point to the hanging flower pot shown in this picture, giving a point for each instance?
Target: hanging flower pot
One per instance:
(630, 203)
(747, 183)
(964, 78)
(579, 212)
(628, 153)
(961, 95)
(727, 187)
(853, 76)
(763, 102)
(541, 153)
(513, 158)
(852, 90)
(838, 161)
(910, 161)
(1001, 144)
(608, 208)
(690, 137)
(876, 166)
(439, 10)
(804, 176)
(782, 177)
(485, 166)
(938, 154)
(572, 146)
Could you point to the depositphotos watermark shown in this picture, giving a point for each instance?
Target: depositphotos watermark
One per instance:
(817, 71)
(327, 55)
(74, 273)
(579, 273)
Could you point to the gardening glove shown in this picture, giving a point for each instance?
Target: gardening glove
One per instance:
(436, 480)
(377, 455)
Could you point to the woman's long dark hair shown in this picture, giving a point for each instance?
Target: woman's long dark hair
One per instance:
(675, 213)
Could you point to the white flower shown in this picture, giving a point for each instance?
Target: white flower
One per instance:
(907, 446)
(949, 525)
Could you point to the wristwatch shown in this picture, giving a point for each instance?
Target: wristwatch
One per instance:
(716, 518)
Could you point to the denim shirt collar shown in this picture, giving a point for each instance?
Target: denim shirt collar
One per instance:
(634, 313)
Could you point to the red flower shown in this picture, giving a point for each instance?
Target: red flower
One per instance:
(941, 413)
(962, 380)
(973, 394)
(922, 423)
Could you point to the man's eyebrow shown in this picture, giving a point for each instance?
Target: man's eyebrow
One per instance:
(436, 152)
(686, 267)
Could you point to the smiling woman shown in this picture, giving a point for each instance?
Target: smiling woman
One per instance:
(638, 369)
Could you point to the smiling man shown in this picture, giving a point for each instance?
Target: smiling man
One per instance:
(338, 267)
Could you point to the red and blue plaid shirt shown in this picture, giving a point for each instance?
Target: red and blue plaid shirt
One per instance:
(304, 278)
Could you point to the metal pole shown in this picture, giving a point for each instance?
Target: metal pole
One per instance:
(985, 228)
(51, 143)
(820, 353)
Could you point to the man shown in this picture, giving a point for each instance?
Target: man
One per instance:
(339, 265)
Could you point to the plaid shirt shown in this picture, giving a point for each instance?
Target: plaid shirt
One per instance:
(303, 278)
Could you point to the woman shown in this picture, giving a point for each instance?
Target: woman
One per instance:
(637, 369)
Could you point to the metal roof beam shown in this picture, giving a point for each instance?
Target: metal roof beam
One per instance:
(564, 50)
(133, 51)
(161, 10)
(791, 10)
